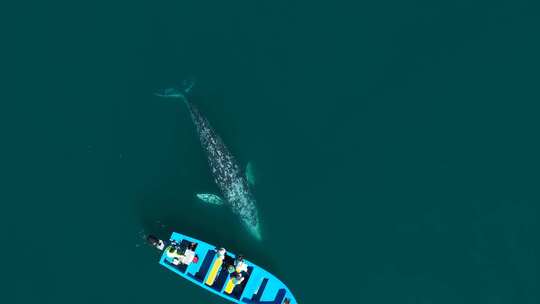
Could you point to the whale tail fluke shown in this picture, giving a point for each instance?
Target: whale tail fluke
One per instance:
(181, 91)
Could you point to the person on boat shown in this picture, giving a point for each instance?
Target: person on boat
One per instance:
(240, 265)
(176, 261)
(191, 248)
(221, 252)
(154, 241)
(182, 255)
(189, 254)
(228, 263)
(237, 278)
(172, 252)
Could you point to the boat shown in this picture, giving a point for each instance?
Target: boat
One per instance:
(207, 270)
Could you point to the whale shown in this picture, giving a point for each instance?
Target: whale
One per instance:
(235, 186)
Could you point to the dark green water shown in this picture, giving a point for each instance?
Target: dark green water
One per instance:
(405, 131)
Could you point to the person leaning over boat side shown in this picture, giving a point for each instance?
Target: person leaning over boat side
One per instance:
(154, 241)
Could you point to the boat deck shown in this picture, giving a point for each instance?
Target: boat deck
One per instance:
(258, 286)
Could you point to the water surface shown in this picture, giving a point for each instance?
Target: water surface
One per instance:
(395, 146)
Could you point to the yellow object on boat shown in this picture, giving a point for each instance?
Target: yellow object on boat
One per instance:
(230, 286)
(214, 271)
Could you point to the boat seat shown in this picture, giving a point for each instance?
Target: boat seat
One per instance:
(230, 286)
(237, 291)
(223, 275)
(256, 299)
(206, 263)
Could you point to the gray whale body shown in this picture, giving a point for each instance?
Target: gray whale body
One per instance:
(233, 184)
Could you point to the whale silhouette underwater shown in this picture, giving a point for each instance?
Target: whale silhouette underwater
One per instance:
(235, 187)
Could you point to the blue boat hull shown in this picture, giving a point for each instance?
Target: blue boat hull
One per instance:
(258, 287)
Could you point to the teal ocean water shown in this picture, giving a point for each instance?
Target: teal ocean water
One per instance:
(395, 146)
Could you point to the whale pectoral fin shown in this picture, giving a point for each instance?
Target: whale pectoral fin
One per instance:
(250, 174)
(210, 198)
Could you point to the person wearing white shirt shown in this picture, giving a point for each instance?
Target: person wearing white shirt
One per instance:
(240, 265)
(154, 241)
